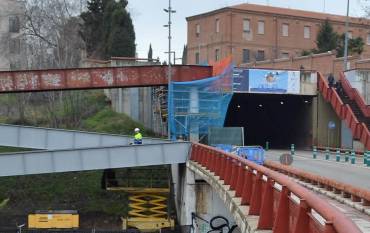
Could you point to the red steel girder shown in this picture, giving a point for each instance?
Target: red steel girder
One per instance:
(91, 78)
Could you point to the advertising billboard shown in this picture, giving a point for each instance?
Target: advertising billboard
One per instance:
(266, 81)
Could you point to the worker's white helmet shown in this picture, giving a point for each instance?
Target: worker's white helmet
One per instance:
(137, 129)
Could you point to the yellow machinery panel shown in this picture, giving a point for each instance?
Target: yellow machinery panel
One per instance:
(53, 220)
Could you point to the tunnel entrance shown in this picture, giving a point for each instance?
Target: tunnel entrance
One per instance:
(279, 119)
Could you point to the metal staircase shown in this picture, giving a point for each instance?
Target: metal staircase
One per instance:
(355, 108)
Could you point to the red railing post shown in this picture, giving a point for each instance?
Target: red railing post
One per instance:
(212, 161)
(235, 174)
(247, 187)
(329, 228)
(240, 181)
(223, 167)
(265, 221)
(227, 170)
(255, 205)
(202, 155)
(218, 164)
(281, 224)
(302, 218)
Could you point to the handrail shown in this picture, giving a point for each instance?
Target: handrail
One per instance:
(357, 194)
(344, 111)
(337, 104)
(238, 172)
(354, 94)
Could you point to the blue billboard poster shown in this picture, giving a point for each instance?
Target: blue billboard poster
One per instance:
(274, 81)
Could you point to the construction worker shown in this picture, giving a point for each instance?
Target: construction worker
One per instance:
(138, 138)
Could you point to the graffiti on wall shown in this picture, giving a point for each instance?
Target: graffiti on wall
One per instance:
(217, 224)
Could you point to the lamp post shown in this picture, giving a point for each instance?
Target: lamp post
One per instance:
(170, 12)
(346, 39)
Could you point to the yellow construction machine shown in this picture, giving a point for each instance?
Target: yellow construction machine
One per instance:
(148, 192)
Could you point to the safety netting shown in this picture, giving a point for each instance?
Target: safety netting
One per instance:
(196, 106)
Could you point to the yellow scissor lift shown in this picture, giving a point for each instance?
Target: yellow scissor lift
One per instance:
(148, 195)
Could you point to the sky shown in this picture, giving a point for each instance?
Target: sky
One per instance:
(148, 18)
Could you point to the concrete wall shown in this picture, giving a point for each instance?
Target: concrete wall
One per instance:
(196, 201)
(325, 113)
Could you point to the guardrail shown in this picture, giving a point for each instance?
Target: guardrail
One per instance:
(282, 204)
(358, 129)
(353, 94)
(360, 195)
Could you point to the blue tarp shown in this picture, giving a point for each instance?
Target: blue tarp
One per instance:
(197, 105)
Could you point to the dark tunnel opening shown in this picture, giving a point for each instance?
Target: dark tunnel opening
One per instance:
(279, 119)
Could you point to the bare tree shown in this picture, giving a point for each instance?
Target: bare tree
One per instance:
(51, 30)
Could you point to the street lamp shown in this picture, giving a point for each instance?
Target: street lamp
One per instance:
(169, 11)
(346, 39)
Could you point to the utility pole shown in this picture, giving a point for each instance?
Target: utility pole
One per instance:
(169, 105)
(346, 39)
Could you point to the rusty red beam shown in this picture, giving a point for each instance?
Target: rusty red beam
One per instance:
(277, 209)
(92, 78)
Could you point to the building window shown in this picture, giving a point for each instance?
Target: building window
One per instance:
(284, 55)
(285, 29)
(197, 58)
(260, 55)
(14, 24)
(217, 25)
(307, 32)
(246, 56)
(261, 27)
(217, 54)
(368, 39)
(197, 30)
(14, 46)
(246, 25)
(349, 35)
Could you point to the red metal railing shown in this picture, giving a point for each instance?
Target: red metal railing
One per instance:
(344, 111)
(282, 205)
(356, 194)
(354, 94)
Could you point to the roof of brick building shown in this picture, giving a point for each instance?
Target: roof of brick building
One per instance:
(286, 12)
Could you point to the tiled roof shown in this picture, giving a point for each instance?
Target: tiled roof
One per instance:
(292, 12)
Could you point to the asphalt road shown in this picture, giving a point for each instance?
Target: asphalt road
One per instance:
(357, 175)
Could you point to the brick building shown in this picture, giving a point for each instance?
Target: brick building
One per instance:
(251, 32)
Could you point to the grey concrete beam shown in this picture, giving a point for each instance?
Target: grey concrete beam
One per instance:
(84, 159)
(58, 139)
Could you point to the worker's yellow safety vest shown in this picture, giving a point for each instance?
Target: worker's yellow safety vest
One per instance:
(138, 136)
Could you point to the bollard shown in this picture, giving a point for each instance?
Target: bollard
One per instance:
(267, 146)
(365, 157)
(353, 157)
(327, 154)
(337, 156)
(346, 158)
(292, 149)
(314, 152)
